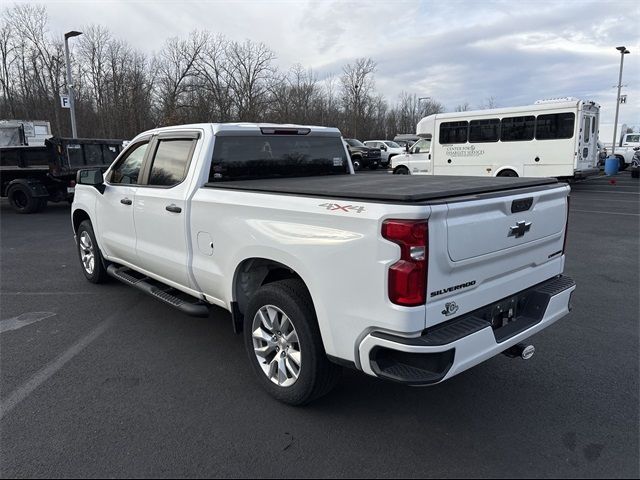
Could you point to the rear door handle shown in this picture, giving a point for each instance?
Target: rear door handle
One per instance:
(173, 208)
(126, 201)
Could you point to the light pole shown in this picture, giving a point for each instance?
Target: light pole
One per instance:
(623, 51)
(72, 102)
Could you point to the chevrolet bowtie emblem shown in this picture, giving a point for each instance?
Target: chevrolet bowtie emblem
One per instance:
(519, 229)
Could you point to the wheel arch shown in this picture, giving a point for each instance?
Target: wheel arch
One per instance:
(251, 274)
(506, 168)
(77, 217)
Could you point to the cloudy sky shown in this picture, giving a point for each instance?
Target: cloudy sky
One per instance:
(454, 51)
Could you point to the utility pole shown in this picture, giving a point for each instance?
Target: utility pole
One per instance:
(72, 100)
(623, 51)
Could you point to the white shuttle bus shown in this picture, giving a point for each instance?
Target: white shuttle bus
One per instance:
(552, 138)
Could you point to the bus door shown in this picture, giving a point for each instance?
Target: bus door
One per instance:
(587, 146)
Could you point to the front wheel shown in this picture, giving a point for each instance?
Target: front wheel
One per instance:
(284, 345)
(356, 164)
(90, 255)
(401, 171)
(507, 173)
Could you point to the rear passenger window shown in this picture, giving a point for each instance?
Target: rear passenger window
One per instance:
(587, 128)
(484, 130)
(555, 125)
(128, 169)
(517, 129)
(453, 132)
(170, 162)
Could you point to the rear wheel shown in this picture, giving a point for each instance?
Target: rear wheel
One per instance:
(90, 255)
(401, 171)
(284, 345)
(22, 200)
(507, 173)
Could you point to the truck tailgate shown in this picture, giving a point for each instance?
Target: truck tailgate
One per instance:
(496, 224)
(485, 249)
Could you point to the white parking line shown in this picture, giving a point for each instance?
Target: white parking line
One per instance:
(23, 320)
(47, 372)
(608, 213)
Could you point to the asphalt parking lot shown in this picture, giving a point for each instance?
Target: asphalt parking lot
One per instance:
(103, 381)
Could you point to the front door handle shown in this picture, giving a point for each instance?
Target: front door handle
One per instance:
(173, 208)
(126, 201)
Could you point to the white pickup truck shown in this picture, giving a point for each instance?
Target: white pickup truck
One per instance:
(625, 150)
(410, 279)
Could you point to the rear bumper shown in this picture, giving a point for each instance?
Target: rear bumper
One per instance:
(455, 346)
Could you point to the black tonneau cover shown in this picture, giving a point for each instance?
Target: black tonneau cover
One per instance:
(384, 188)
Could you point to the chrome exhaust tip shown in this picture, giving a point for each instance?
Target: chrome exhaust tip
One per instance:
(521, 350)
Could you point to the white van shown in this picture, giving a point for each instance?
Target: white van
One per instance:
(552, 138)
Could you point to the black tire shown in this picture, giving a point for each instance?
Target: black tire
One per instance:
(357, 163)
(317, 375)
(507, 173)
(99, 273)
(401, 171)
(22, 200)
(373, 166)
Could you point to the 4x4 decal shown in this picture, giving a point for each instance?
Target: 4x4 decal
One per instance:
(344, 208)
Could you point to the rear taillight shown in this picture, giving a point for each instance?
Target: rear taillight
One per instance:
(566, 227)
(408, 276)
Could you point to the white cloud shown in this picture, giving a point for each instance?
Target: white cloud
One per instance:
(454, 51)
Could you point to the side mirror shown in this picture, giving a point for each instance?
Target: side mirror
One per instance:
(92, 177)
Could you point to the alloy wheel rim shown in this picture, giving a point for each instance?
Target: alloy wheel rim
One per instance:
(87, 253)
(276, 346)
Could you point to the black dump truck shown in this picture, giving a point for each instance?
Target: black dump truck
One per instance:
(33, 176)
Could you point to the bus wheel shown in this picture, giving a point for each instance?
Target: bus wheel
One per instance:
(401, 171)
(507, 173)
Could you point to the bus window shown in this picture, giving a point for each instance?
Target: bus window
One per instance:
(517, 129)
(587, 128)
(484, 130)
(453, 132)
(555, 125)
(421, 146)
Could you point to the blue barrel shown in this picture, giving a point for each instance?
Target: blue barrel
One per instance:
(611, 165)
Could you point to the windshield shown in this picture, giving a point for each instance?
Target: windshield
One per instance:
(392, 145)
(421, 146)
(353, 142)
(272, 156)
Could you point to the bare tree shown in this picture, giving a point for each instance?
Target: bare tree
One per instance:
(249, 67)
(489, 102)
(201, 77)
(463, 107)
(357, 87)
(176, 67)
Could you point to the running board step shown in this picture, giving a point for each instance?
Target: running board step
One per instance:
(126, 275)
